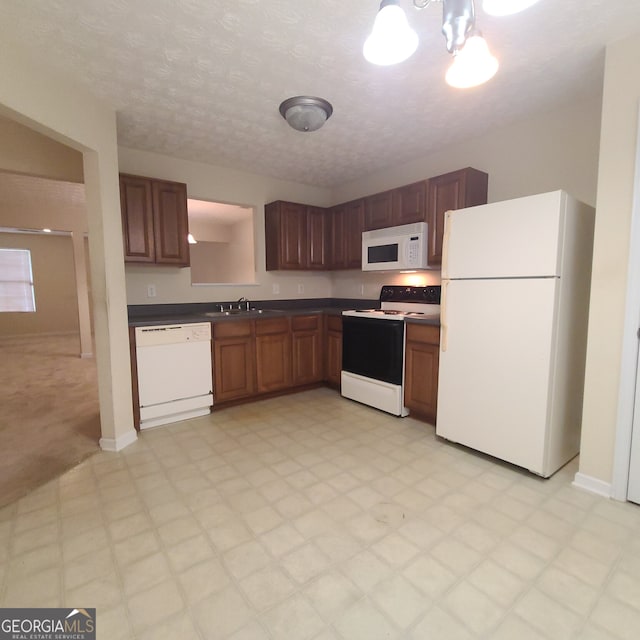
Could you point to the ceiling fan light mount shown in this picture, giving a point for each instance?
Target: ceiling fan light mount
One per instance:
(506, 7)
(306, 113)
(458, 20)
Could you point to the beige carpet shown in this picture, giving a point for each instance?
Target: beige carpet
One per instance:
(49, 416)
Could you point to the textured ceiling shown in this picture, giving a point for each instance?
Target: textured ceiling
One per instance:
(202, 79)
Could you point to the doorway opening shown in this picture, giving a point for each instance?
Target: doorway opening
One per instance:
(223, 246)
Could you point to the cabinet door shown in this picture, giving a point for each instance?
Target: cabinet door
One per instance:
(233, 360)
(410, 203)
(317, 238)
(337, 235)
(273, 354)
(421, 370)
(333, 350)
(233, 368)
(136, 205)
(353, 228)
(306, 346)
(455, 190)
(170, 222)
(286, 235)
(378, 212)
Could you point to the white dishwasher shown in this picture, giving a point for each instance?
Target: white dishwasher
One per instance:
(175, 379)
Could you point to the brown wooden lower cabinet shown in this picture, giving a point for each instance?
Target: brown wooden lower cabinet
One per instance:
(421, 370)
(233, 361)
(252, 358)
(306, 347)
(333, 351)
(273, 354)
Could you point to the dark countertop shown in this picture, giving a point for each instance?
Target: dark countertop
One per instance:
(434, 321)
(147, 315)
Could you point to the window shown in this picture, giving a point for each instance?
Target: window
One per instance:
(16, 281)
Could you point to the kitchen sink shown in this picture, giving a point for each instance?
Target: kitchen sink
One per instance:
(241, 312)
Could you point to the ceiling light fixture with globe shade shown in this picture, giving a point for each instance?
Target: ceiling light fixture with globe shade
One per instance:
(392, 39)
(306, 113)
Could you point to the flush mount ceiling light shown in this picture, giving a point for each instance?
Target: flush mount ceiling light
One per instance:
(392, 40)
(306, 113)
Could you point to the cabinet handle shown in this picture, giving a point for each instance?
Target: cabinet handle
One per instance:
(445, 243)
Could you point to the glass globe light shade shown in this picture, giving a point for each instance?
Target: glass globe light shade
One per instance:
(392, 40)
(472, 65)
(306, 113)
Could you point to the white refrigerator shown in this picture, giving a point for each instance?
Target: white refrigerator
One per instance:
(515, 297)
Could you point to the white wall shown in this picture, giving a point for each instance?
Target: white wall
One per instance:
(554, 150)
(55, 289)
(210, 262)
(609, 278)
(61, 110)
(218, 184)
(242, 251)
(26, 151)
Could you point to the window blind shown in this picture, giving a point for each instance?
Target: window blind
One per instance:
(16, 281)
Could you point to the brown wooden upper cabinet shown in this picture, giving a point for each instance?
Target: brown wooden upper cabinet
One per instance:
(347, 225)
(302, 237)
(378, 211)
(318, 238)
(154, 220)
(455, 190)
(410, 203)
(403, 205)
(296, 236)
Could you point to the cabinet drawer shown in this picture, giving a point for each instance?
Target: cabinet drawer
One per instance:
(334, 323)
(423, 333)
(305, 323)
(272, 325)
(232, 329)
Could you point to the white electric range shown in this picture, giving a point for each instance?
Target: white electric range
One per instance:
(373, 346)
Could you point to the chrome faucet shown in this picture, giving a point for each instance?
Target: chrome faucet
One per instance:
(244, 301)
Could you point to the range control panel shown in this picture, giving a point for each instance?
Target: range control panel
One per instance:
(400, 293)
(173, 333)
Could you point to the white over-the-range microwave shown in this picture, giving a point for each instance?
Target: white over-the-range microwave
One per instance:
(395, 248)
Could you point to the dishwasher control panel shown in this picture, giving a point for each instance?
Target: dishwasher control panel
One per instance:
(173, 334)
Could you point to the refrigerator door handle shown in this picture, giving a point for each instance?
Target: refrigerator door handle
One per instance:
(443, 316)
(445, 243)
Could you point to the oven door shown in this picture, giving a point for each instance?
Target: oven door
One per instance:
(373, 348)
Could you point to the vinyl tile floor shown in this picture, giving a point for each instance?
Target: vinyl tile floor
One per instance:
(313, 517)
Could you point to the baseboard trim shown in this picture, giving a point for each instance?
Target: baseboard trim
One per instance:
(119, 443)
(592, 485)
